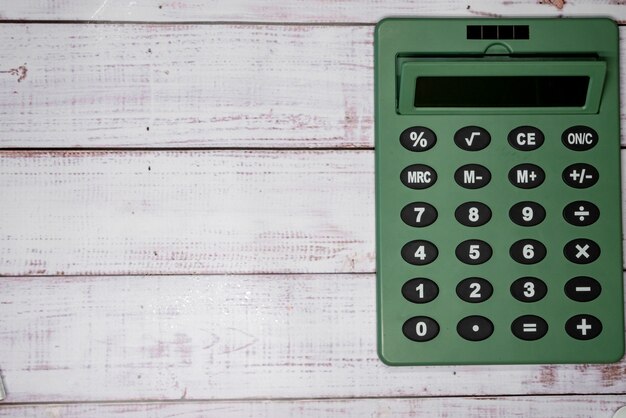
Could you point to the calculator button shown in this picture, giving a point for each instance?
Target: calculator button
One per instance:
(472, 138)
(526, 176)
(418, 138)
(472, 176)
(580, 175)
(581, 213)
(419, 214)
(420, 328)
(418, 176)
(473, 251)
(420, 290)
(474, 290)
(526, 138)
(528, 289)
(581, 251)
(475, 328)
(419, 252)
(582, 289)
(527, 251)
(529, 327)
(473, 214)
(583, 327)
(579, 138)
(527, 213)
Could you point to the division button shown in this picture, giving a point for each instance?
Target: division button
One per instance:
(529, 327)
(420, 328)
(583, 327)
(580, 175)
(581, 213)
(420, 290)
(526, 176)
(526, 138)
(582, 289)
(472, 214)
(475, 328)
(474, 290)
(418, 138)
(418, 214)
(528, 289)
(581, 251)
(473, 251)
(472, 176)
(472, 138)
(418, 176)
(579, 138)
(527, 251)
(419, 252)
(527, 213)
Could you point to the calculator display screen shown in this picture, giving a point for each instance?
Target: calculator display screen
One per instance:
(501, 91)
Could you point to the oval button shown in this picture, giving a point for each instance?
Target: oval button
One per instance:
(526, 138)
(474, 290)
(473, 251)
(582, 289)
(418, 214)
(527, 251)
(581, 251)
(418, 138)
(580, 175)
(472, 176)
(472, 214)
(529, 327)
(528, 289)
(472, 138)
(420, 290)
(419, 252)
(583, 327)
(527, 213)
(475, 328)
(418, 176)
(420, 328)
(581, 213)
(526, 176)
(579, 138)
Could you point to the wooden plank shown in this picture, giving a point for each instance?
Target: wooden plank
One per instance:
(531, 406)
(230, 337)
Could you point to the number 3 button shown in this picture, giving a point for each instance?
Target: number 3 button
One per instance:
(528, 289)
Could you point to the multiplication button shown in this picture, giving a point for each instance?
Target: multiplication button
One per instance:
(475, 328)
(583, 327)
(420, 328)
(581, 213)
(526, 176)
(529, 327)
(581, 251)
(580, 175)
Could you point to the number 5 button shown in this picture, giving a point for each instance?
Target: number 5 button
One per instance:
(473, 251)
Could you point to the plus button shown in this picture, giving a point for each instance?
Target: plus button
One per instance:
(583, 326)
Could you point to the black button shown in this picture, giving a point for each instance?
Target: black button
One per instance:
(419, 252)
(420, 328)
(583, 327)
(526, 176)
(529, 327)
(473, 214)
(473, 251)
(475, 328)
(526, 138)
(474, 290)
(581, 251)
(527, 251)
(472, 138)
(582, 289)
(527, 213)
(581, 213)
(418, 138)
(418, 214)
(580, 175)
(472, 176)
(418, 176)
(528, 289)
(579, 138)
(420, 290)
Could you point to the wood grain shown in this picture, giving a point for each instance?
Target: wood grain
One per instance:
(230, 337)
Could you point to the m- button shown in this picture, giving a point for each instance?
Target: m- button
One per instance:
(472, 176)
(526, 176)
(418, 176)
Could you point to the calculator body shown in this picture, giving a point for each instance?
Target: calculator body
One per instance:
(498, 208)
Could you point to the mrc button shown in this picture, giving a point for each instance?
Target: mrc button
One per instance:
(472, 176)
(579, 138)
(580, 175)
(472, 138)
(526, 138)
(418, 138)
(526, 176)
(418, 176)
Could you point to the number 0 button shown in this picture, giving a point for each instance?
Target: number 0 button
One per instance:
(420, 328)
(473, 214)
(473, 251)
(527, 251)
(419, 252)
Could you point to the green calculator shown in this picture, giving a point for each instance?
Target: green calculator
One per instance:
(498, 210)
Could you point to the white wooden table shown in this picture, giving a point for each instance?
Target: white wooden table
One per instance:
(187, 217)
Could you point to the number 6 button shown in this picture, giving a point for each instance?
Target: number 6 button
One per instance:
(527, 251)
